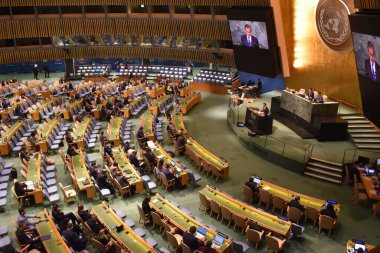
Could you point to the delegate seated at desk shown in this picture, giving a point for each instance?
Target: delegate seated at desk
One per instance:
(310, 94)
(319, 98)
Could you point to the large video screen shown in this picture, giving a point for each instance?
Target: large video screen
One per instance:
(366, 41)
(249, 34)
(254, 40)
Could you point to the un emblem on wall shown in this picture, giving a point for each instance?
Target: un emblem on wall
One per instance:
(332, 22)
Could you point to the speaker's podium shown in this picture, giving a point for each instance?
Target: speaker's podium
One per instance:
(257, 123)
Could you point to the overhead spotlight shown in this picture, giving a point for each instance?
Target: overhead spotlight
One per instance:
(142, 6)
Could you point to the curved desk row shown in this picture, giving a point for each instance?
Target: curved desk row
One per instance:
(4, 140)
(183, 222)
(127, 238)
(206, 155)
(256, 216)
(80, 176)
(80, 132)
(189, 102)
(45, 132)
(113, 130)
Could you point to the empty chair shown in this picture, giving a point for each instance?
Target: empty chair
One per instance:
(215, 172)
(204, 202)
(215, 208)
(278, 203)
(156, 220)
(294, 214)
(248, 194)
(327, 223)
(69, 194)
(174, 240)
(265, 197)
(273, 243)
(311, 214)
(226, 215)
(51, 197)
(254, 236)
(239, 221)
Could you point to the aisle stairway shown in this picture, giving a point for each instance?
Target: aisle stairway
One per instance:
(362, 132)
(324, 170)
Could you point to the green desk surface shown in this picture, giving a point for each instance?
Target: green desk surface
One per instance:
(125, 166)
(160, 100)
(288, 195)
(178, 122)
(81, 130)
(181, 219)
(148, 123)
(115, 128)
(11, 130)
(46, 129)
(34, 169)
(205, 154)
(55, 244)
(264, 219)
(189, 98)
(132, 241)
(81, 172)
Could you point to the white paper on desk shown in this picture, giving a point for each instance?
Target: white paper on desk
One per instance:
(28, 183)
(81, 179)
(265, 188)
(151, 144)
(160, 156)
(154, 201)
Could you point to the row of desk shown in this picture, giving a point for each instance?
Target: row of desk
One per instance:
(252, 214)
(127, 238)
(186, 91)
(206, 155)
(369, 182)
(4, 140)
(113, 130)
(156, 104)
(34, 178)
(160, 152)
(156, 92)
(189, 102)
(128, 170)
(128, 109)
(183, 221)
(289, 195)
(82, 179)
(177, 120)
(67, 113)
(147, 125)
(80, 132)
(35, 113)
(45, 131)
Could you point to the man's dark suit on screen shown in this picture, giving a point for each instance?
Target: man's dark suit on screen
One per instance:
(369, 70)
(245, 42)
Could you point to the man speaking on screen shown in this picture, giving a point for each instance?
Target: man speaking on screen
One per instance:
(248, 40)
(371, 66)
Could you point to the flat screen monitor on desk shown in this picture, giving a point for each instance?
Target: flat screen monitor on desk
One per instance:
(257, 180)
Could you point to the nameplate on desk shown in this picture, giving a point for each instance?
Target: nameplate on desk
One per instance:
(154, 201)
(81, 179)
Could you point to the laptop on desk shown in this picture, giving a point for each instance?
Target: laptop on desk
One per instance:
(217, 242)
(201, 233)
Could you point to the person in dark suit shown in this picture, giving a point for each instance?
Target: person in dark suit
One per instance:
(310, 94)
(296, 203)
(83, 214)
(76, 242)
(28, 239)
(47, 70)
(107, 149)
(248, 40)
(35, 72)
(265, 109)
(103, 183)
(329, 211)
(61, 217)
(372, 68)
(190, 240)
(94, 224)
(252, 185)
(319, 98)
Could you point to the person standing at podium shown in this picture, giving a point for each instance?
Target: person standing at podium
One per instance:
(265, 110)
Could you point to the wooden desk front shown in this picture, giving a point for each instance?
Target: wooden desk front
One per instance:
(34, 175)
(45, 133)
(368, 183)
(147, 124)
(189, 102)
(127, 238)
(4, 140)
(81, 176)
(208, 156)
(183, 221)
(263, 219)
(55, 244)
(113, 131)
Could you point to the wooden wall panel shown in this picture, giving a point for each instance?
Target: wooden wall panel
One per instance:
(367, 4)
(23, 55)
(135, 2)
(218, 30)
